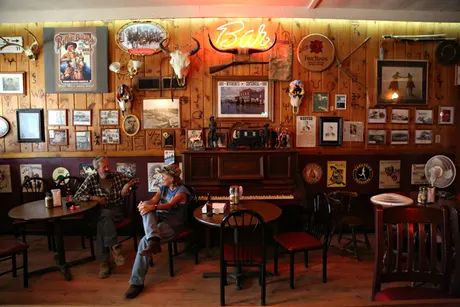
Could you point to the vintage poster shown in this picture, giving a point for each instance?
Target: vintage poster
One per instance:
(28, 171)
(169, 156)
(155, 179)
(86, 169)
(353, 131)
(5, 179)
(389, 174)
(418, 174)
(336, 174)
(129, 169)
(306, 131)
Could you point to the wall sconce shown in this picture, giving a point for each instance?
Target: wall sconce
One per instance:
(395, 96)
(132, 68)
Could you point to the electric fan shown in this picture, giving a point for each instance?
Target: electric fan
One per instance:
(440, 172)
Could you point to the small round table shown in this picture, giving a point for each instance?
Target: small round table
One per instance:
(36, 211)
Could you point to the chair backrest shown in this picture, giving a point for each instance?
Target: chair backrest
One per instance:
(192, 204)
(33, 189)
(130, 208)
(243, 233)
(69, 185)
(320, 222)
(344, 200)
(407, 241)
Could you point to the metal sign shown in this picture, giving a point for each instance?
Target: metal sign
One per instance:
(316, 52)
(11, 49)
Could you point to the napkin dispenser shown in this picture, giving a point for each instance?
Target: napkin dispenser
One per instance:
(217, 208)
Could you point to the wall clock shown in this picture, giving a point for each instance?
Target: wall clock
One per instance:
(312, 173)
(4, 126)
(362, 173)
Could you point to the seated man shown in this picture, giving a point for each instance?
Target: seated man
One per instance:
(108, 189)
(162, 216)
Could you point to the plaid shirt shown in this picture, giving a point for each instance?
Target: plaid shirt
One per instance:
(92, 187)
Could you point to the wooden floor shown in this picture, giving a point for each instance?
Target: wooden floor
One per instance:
(349, 282)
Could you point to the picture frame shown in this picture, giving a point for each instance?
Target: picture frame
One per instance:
(400, 116)
(424, 116)
(457, 75)
(402, 82)
(57, 117)
(141, 37)
(168, 138)
(109, 117)
(376, 137)
(222, 138)
(353, 131)
(131, 125)
(83, 140)
(423, 136)
(195, 139)
(377, 116)
(320, 101)
(12, 83)
(30, 126)
(399, 137)
(110, 136)
(389, 174)
(330, 131)
(81, 117)
(418, 175)
(446, 115)
(340, 102)
(162, 113)
(76, 59)
(58, 137)
(243, 98)
(336, 174)
(4, 127)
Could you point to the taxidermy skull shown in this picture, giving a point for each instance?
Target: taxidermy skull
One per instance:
(30, 51)
(296, 101)
(125, 98)
(180, 60)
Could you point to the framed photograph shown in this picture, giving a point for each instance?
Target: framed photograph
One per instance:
(376, 137)
(108, 117)
(243, 98)
(155, 179)
(76, 59)
(58, 137)
(340, 102)
(30, 125)
(305, 131)
(161, 113)
(320, 101)
(141, 37)
(110, 136)
(129, 169)
(399, 137)
(402, 82)
(424, 116)
(446, 115)
(423, 136)
(222, 138)
(377, 116)
(195, 139)
(57, 117)
(418, 174)
(131, 125)
(400, 116)
(336, 174)
(82, 117)
(168, 138)
(353, 131)
(389, 174)
(12, 83)
(83, 140)
(330, 131)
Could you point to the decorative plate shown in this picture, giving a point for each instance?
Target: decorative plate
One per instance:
(316, 52)
(60, 172)
(362, 173)
(4, 126)
(312, 173)
(141, 37)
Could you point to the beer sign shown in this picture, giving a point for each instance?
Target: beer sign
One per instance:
(316, 52)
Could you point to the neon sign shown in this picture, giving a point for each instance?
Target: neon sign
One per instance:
(235, 35)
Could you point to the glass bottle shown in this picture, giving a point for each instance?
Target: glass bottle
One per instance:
(208, 206)
(48, 200)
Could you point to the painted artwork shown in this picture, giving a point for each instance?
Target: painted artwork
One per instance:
(86, 169)
(5, 179)
(155, 179)
(28, 171)
(336, 174)
(418, 174)
(353, 131)
(129, 169)
(306, 131)
(389, 174)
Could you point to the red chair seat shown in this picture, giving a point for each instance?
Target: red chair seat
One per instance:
(295, 241)
(123, 223)
(245, 253)
(10, 247)
(410, 293)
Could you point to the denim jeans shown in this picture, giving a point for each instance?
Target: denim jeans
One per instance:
(106, 235)
(152, 229)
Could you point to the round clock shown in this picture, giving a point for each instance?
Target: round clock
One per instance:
(363, 173)
(312, 173)
(4, 126)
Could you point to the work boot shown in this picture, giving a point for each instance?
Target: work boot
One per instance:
(153, 247)
(104, 269)
(117, 256)
(134, 291)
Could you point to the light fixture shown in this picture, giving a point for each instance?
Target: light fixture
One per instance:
(131, 68)
(395, 96)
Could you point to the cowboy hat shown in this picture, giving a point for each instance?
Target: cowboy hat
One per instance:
(171, 170)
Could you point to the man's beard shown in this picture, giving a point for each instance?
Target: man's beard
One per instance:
(107, 175)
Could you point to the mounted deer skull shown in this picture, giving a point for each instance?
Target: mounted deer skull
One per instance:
(31, 51)
(180, 60)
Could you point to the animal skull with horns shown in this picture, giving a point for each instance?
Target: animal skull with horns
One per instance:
(180, 60)
(31, 51)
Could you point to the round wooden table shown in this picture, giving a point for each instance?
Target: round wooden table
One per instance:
(36, 211)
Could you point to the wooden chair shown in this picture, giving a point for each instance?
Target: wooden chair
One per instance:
(317, 237)
(9, 249)
(130, 222)
(407, 251)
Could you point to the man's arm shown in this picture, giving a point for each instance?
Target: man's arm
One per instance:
(177, 199)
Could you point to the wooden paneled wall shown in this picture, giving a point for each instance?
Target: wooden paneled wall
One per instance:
(345, 34)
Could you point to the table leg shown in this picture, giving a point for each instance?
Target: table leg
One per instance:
(60, 251)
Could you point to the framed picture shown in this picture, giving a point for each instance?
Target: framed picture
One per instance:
(402, 82)
(423, 136)
(12, 83)
(110, 136)
(376, 137)
(4, 126)
(161, 113)
(83, 140)
(57, 117)
(168, 138)
(108, 117)
(195, 139)
(418, 174)
(82, 117)
(320, 101)
(400, 116)
(389, 174)
(222, 138)
(457, 75)
(353, 131)
(399, 137)
(305, 131)
(340, 102)
(155, 179)
(75, 59)
(5, 179)
(58, 137)
(377, 116)
(131, 125)
(28, 171)
(446, 115)
(336, 174)
(141, 37)
(330, 131)
(86, 169)
(30, 125)
(424, 116)
(129, 169)
(243, 98)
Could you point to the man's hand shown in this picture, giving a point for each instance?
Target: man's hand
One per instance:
(101, 200)
(126, 188)
(145, 207)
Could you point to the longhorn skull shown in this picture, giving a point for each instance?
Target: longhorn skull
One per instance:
(180, 60)
(125, 98)
(31, 51)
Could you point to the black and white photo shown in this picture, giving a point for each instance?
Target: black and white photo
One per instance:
(12, 83)
(108, 117)
(353, 131)
(131, 125)
(400, 116)
(423, 136)
(83, 140)
(161, 113)
(377, 116)
(82, 117)
(424, 116)
(58, 136)
(57, 117)
(330, 131)
(340, 102)
(141, 37)
(110, 136)
(30, 125)
(376, 137)
(399, 137)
